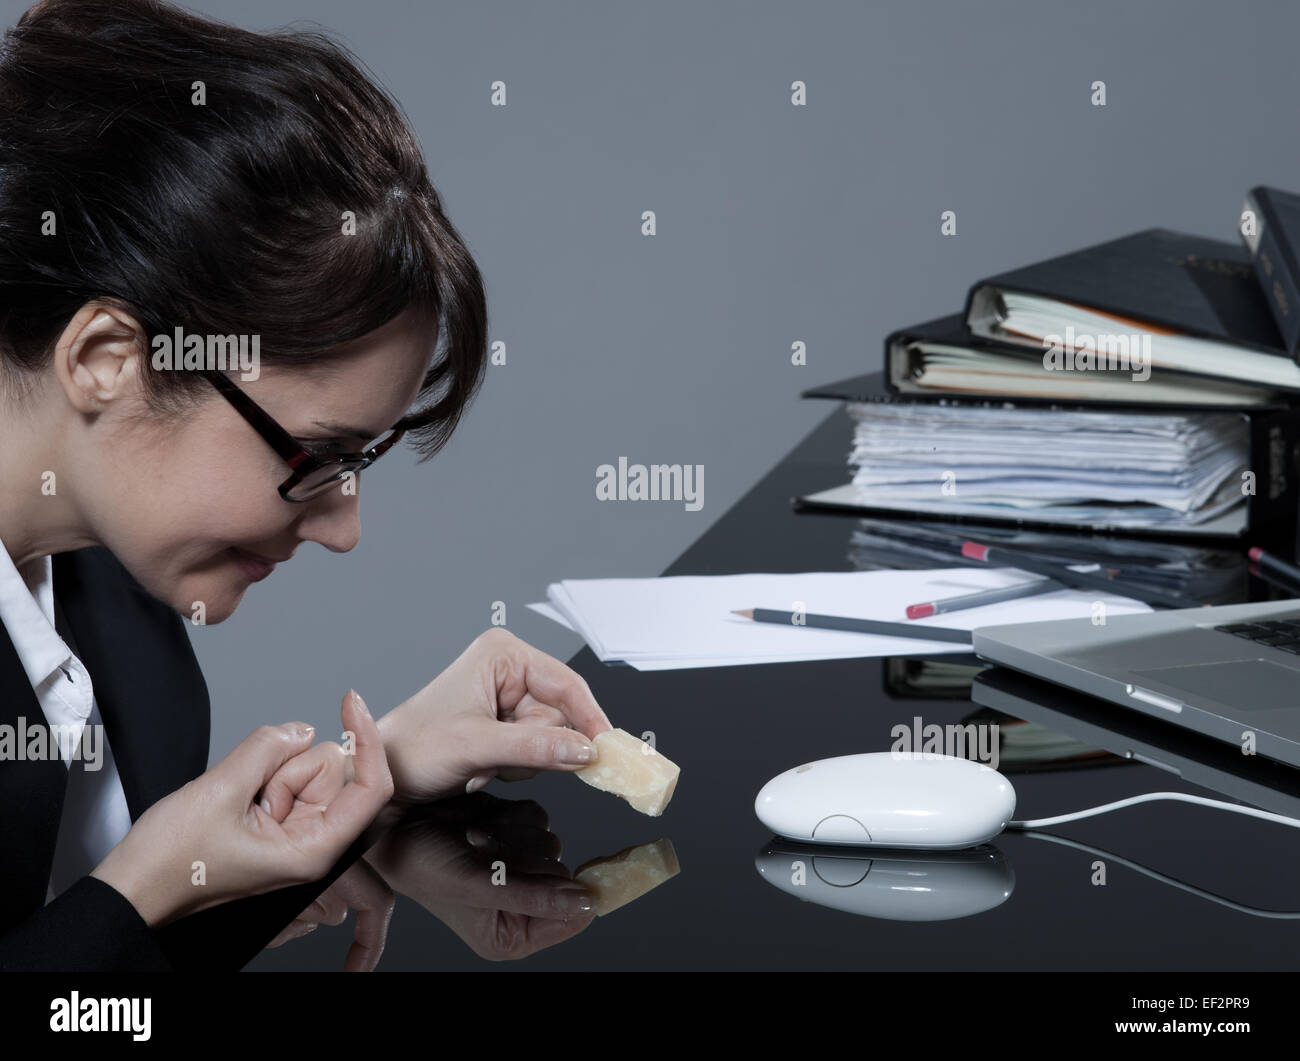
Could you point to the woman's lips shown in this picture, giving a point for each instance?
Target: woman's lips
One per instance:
(254, 567)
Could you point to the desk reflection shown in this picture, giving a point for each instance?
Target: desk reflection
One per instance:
(890, 884)
(490, 870)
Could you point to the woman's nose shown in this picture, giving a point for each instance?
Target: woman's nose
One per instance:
(334, 518)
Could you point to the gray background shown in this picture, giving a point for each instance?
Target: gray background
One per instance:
(775, 224)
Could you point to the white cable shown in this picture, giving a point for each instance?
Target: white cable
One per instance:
(1222, 900)
(1182, 797)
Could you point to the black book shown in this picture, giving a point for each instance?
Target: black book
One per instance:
(941, 357)
(1270, 226)
(1156, 300)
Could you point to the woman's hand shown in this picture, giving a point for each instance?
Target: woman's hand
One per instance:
(361, 889)
(501, 709)
(490, 870)
(247, 849)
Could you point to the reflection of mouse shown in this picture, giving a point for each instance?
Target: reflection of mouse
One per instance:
(888, 799)
(894, 885)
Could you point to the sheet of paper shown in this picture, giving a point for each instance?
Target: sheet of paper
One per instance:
(1149, 468)
(687, 620)
(547, 609)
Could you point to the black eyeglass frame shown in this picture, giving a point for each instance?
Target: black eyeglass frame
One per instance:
(302, 462)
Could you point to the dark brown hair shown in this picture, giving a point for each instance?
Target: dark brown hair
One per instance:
(225, 217)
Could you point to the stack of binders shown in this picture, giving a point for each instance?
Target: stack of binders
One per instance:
(1141, 386)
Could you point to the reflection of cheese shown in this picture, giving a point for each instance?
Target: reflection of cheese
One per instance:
(618, 879)
(632, 769)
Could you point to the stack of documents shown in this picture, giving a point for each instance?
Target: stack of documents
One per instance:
(1153, 470)
(687, 621)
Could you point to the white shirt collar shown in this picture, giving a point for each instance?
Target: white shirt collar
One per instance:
(27, 612)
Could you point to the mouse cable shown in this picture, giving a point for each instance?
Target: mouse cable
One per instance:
(1182, 797)
(1222, 900)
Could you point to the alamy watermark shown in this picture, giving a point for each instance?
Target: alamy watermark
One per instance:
(91, 1014)
(978, 741)
(656, 482)
(43, 740)
(195, 352)
(1112, 352)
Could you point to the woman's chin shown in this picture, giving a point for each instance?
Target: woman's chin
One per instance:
(209, 602)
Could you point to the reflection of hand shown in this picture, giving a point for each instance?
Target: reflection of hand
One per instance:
(360, 889)
(443, 856)
(501, 709)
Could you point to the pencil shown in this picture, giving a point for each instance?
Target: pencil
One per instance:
(985, 596)
(859, 626)
(1103, 580)
(1284, 575)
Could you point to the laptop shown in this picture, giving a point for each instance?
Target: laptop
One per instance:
(1196, 759)
(1231, 672)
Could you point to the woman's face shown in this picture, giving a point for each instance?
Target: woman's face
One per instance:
(189, 504)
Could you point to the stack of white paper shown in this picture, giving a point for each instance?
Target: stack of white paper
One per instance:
(1122, 469)
(687, 620)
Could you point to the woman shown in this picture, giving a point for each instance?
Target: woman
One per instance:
(162, 178)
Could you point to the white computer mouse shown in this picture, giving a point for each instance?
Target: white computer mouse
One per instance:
(888, 799)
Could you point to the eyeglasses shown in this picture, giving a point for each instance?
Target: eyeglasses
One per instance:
(312, 473)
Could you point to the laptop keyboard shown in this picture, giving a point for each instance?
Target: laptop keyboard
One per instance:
(1276, 633)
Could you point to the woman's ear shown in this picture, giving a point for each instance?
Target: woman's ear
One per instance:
(97, 357)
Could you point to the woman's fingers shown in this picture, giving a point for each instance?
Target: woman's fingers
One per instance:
(546, 892)
(254, 761)
(323, 834)
(527, 670)
(296, 929)
(529, 712)
(479, 780)
(373, 900)
(371, 786)
(515, 841)
(361, 889)
(314, 776)
(329, 908)
(508, 745)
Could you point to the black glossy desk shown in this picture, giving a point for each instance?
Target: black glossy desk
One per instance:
(732, 728)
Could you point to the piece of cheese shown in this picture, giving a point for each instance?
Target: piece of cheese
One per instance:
(618, 879)
(632, 769)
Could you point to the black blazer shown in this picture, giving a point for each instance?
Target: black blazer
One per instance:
(154, 703)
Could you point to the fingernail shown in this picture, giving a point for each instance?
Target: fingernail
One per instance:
(265, 805)
(572, 752)
(477, 837)
(361, 704)
(305, 731)
(474, 784)
(574, 901)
